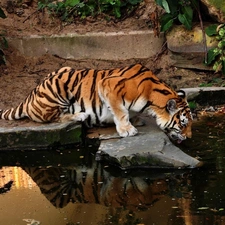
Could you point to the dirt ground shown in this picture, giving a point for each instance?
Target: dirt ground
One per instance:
(21, 74)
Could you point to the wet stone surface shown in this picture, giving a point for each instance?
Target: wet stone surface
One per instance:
(150, 148)
(36, 136)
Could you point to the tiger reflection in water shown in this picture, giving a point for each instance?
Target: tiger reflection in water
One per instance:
(95, 185)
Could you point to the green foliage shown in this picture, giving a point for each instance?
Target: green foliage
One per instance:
(69, 9)
(180, 11)
(3, 41)
(214, 82)
(216, 55)
(192, 105)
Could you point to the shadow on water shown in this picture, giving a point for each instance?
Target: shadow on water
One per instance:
(69, 187)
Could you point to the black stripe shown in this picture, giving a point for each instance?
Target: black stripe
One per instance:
(84, 72)
(82, 105)
(75, 82)
(150, 79)
(48, 97)
(93, 104)
(70, 75)
(49, 86)
(163, 91)
(36, 115)
(20, 109)
(121, 88)
(133, 102)
(58, 89)
(148, 103)
(123, 98)
(78, 93)
(93, 85)
(111, 72)
(141, 71)
(61, 73)
(100, 108)
(126, 69)
(103, 74)
(120, 82)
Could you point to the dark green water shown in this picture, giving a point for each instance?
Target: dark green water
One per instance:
(69, 187)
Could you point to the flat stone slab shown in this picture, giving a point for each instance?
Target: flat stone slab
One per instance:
(100, 45)
(206, 95)
(151, 148)
(36, 136)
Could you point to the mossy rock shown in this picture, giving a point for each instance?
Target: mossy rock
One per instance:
(46, 136)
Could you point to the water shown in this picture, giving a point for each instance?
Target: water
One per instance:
(69, 187)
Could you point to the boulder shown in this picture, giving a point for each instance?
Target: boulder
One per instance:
(151, 148)
(216, 9)
(186, 47)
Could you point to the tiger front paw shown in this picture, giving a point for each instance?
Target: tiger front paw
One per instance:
(127, 131)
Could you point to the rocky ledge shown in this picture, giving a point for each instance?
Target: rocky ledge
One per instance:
(150, 148)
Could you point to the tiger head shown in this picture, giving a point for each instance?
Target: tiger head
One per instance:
(178, 120)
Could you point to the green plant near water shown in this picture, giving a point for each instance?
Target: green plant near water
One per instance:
(216, 55)
(177, 12)
(69, 9)
(3, 41)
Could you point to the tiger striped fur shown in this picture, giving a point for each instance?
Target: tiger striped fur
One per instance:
(105, 96)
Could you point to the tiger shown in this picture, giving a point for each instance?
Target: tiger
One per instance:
(85, 184)
(100, 97)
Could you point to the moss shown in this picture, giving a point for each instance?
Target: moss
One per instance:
(39, 139)
(219, 4)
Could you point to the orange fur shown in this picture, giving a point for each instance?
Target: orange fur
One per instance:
(106, 96)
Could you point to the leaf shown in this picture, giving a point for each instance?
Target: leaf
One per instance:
(41, 6)
(2, 14)
(117, 12)
(166, 22)
(174, 7)
(188, 12)
(211, 55)
(211, 30)
(134, 2)
(184, 19)
(159, 2)
(223, 67)
(166, 6)
(72, 3)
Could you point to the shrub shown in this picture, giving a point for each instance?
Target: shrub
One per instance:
(177, 11)
(216, 55)
(69, 9)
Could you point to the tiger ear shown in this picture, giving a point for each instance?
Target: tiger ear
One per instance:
(171, 106)
(181, 94)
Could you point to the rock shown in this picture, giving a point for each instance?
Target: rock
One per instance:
(186, 47)
(206, 96)
(92, 45)
(216, 9)
(151, 148)
(44, 136)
